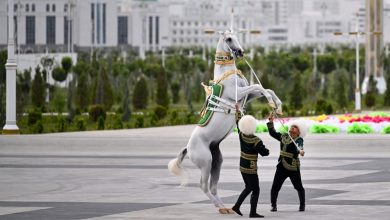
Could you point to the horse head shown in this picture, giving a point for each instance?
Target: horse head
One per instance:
(228, 42)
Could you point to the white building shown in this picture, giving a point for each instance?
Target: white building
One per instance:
(52, 25)
(43, 25)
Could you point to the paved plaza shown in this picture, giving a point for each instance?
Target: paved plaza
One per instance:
(122, 174)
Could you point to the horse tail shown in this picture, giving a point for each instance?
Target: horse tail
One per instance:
(174, 166)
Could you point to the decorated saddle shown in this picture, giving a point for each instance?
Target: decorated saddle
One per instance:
(212, 91)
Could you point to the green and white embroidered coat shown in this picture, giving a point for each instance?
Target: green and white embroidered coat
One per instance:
(288, 151)
(251, 147)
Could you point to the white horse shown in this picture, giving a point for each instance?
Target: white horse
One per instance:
(203, 145)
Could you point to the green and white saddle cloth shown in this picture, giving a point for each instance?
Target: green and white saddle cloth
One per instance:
(215, 103)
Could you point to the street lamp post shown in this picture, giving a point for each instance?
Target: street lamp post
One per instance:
(357, 88)
(11, 65)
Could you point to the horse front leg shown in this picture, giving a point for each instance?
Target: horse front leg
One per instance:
(255, 90)
(277, 101)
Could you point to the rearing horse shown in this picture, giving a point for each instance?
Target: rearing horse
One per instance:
(203, 145)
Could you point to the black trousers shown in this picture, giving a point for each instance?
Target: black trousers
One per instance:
(251, 185)
(281, 175)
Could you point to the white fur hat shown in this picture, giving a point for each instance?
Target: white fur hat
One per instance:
(247, 124)
(301, 127)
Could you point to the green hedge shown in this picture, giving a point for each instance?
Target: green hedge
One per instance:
(357, 128)
(322, 128)
(386, 130)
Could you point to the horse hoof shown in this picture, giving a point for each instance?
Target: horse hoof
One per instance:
(230, 211)
(223, 211)
(272, 105)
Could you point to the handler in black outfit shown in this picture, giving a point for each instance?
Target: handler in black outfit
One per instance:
(251, 146)
(288, 162)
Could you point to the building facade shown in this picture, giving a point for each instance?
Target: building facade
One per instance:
(72, 25)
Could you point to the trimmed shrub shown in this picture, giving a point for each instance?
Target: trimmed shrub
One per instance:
(100, 123)
(139, 122)
(80, 124)
(260, 128)
(358, 128)
(38, 127)
(160, 111)
(96, 111)
(283, 129)
(118, 124)
(61, 126)
(319, 129)
(386, 130)
(34, 117)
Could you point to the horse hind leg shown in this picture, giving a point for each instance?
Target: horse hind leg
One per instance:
(215, 170)
(214, 178)
(203, 160)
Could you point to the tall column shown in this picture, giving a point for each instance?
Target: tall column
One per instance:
(374, 45)
(10, 124)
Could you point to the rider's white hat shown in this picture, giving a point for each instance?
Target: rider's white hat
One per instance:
(247, 124)
(301, 125)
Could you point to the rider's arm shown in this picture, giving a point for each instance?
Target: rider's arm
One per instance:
(271, 128)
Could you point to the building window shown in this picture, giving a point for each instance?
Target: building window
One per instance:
(30, 29)
(27, 7)
(157, 29)
(181, 32)
(53, 8)
(174, 23)
(122, 30)
(50, 30)
(181, 23)
(150, 30)
(196, 23)
(104, 23)
(33, 7)
(47, 7)
(93, 34)
(196, 31)
(65, 7)
(15, 7)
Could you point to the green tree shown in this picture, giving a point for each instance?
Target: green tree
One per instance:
(175, 89)
(104, 94)
(66, 64)
(162, 89)
(369, 98)
(387, 93)
(123, 72)
(296, 94)
(325, 64)
(340, 85)
(59, 74)
(38, 89)
(3, 61)
(140, 94)
(82, 92)
(23, 86)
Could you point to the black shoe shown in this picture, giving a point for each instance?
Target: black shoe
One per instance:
(236, 210)
(256, 216)
(302, 208)
(273, 208)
